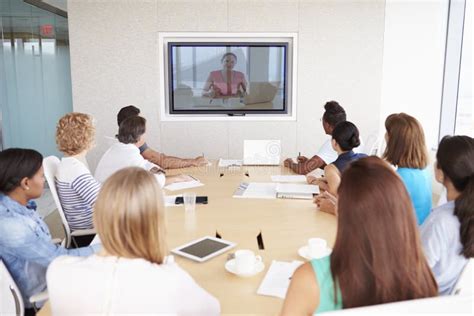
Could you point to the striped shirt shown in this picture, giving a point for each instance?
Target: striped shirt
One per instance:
(77, 191)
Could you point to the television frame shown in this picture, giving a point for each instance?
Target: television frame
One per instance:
(171, 105)
(231, 38)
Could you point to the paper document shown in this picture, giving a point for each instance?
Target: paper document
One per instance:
(289, 178)
(293, 188)
(278, 277)
(170, 200)
(184, 185)
(229, 163)
(256, 190)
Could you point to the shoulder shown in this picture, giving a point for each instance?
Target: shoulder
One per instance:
(239, 74)
(71, 168)
(441, 221)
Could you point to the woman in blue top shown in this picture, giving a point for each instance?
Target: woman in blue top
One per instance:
(377, 257)
(448, 233)
(407, 151)
(25, 242)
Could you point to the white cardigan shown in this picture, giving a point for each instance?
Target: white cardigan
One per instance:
(110, 285)
(120, 156)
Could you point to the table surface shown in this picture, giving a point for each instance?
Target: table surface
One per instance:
(285, 224)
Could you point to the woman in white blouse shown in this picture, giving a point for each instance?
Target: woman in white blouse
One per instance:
(130, 275)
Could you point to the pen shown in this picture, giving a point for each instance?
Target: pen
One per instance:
(193, 177)
(299, 154)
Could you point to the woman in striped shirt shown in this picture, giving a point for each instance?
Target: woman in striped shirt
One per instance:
(77, 188)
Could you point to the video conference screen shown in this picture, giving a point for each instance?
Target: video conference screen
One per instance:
(227, 78)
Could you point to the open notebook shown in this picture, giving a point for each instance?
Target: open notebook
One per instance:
(263, 190)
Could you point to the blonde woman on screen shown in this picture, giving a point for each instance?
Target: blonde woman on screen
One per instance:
(225, 82)
(131, 274)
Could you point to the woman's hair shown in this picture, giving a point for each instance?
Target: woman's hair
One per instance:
(455, 157)
(75, 133)
(377, 256)
(334, 113)
(406, 146)
(346, 135)
(17, 164)
(228, 54)
(131, 129)
(127, 112)
(129, 216)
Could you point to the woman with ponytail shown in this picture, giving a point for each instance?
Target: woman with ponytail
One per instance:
(448, 233)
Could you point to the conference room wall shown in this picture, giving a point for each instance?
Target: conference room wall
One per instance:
(114, 63)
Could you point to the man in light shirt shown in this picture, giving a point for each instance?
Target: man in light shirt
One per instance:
(334, 114)
(126, 153)
(165, 161)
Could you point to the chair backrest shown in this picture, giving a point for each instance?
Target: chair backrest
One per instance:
(464, 284)
(373, 145)
(50, 167)
(459, 304)
(11, 301)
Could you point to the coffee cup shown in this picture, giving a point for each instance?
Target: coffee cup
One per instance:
(317, 247)
(245, 261)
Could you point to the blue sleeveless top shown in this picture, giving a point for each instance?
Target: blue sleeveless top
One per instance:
(322, 269)
(344, 159)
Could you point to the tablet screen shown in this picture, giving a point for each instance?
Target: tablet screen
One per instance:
(204, 248)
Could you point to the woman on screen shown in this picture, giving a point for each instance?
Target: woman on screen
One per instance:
(131, 274)
(225, 82)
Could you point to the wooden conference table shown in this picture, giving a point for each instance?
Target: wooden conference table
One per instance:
(286, 225)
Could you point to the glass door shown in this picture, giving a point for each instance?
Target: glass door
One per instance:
(35, 76)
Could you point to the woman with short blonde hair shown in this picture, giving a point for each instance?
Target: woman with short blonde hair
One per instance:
(406, 149)
(131, 274)
(77, 188)
(75, 133)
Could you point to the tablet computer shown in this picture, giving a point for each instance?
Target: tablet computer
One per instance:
(204, 248)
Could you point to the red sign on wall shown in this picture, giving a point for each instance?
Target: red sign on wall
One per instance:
(47, 30)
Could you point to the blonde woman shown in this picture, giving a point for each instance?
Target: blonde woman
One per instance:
(77, 188)
(130, 275)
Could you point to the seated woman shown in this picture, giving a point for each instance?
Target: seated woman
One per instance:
(406, 150)
(225, 82)
(26, 247)
(377, 256)
(131, 274)
(77, 188)
(448, 232)
(345, 137)
(126, 153)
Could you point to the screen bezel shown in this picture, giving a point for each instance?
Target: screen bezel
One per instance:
(178, 251)
(286, 94)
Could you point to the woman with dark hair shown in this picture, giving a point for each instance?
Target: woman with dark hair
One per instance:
(25, 242)
(448, 233)
(345, 137)
(377, 256)
(225, 82)
(406, 150)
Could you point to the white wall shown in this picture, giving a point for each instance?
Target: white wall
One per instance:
(414, 46)
(114, 63)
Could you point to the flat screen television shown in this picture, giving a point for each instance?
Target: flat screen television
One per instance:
(234, 78)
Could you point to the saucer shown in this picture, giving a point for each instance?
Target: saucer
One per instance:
(230, 266)
(304, 252)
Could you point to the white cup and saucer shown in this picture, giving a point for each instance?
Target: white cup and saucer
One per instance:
(316, 248)
(245, 263)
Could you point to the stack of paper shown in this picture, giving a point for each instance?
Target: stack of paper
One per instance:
(278, 277)
(289, 178)
(296, 191)
(184, 185)
(224, 163)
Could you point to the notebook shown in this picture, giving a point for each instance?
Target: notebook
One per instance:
(296, 191)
